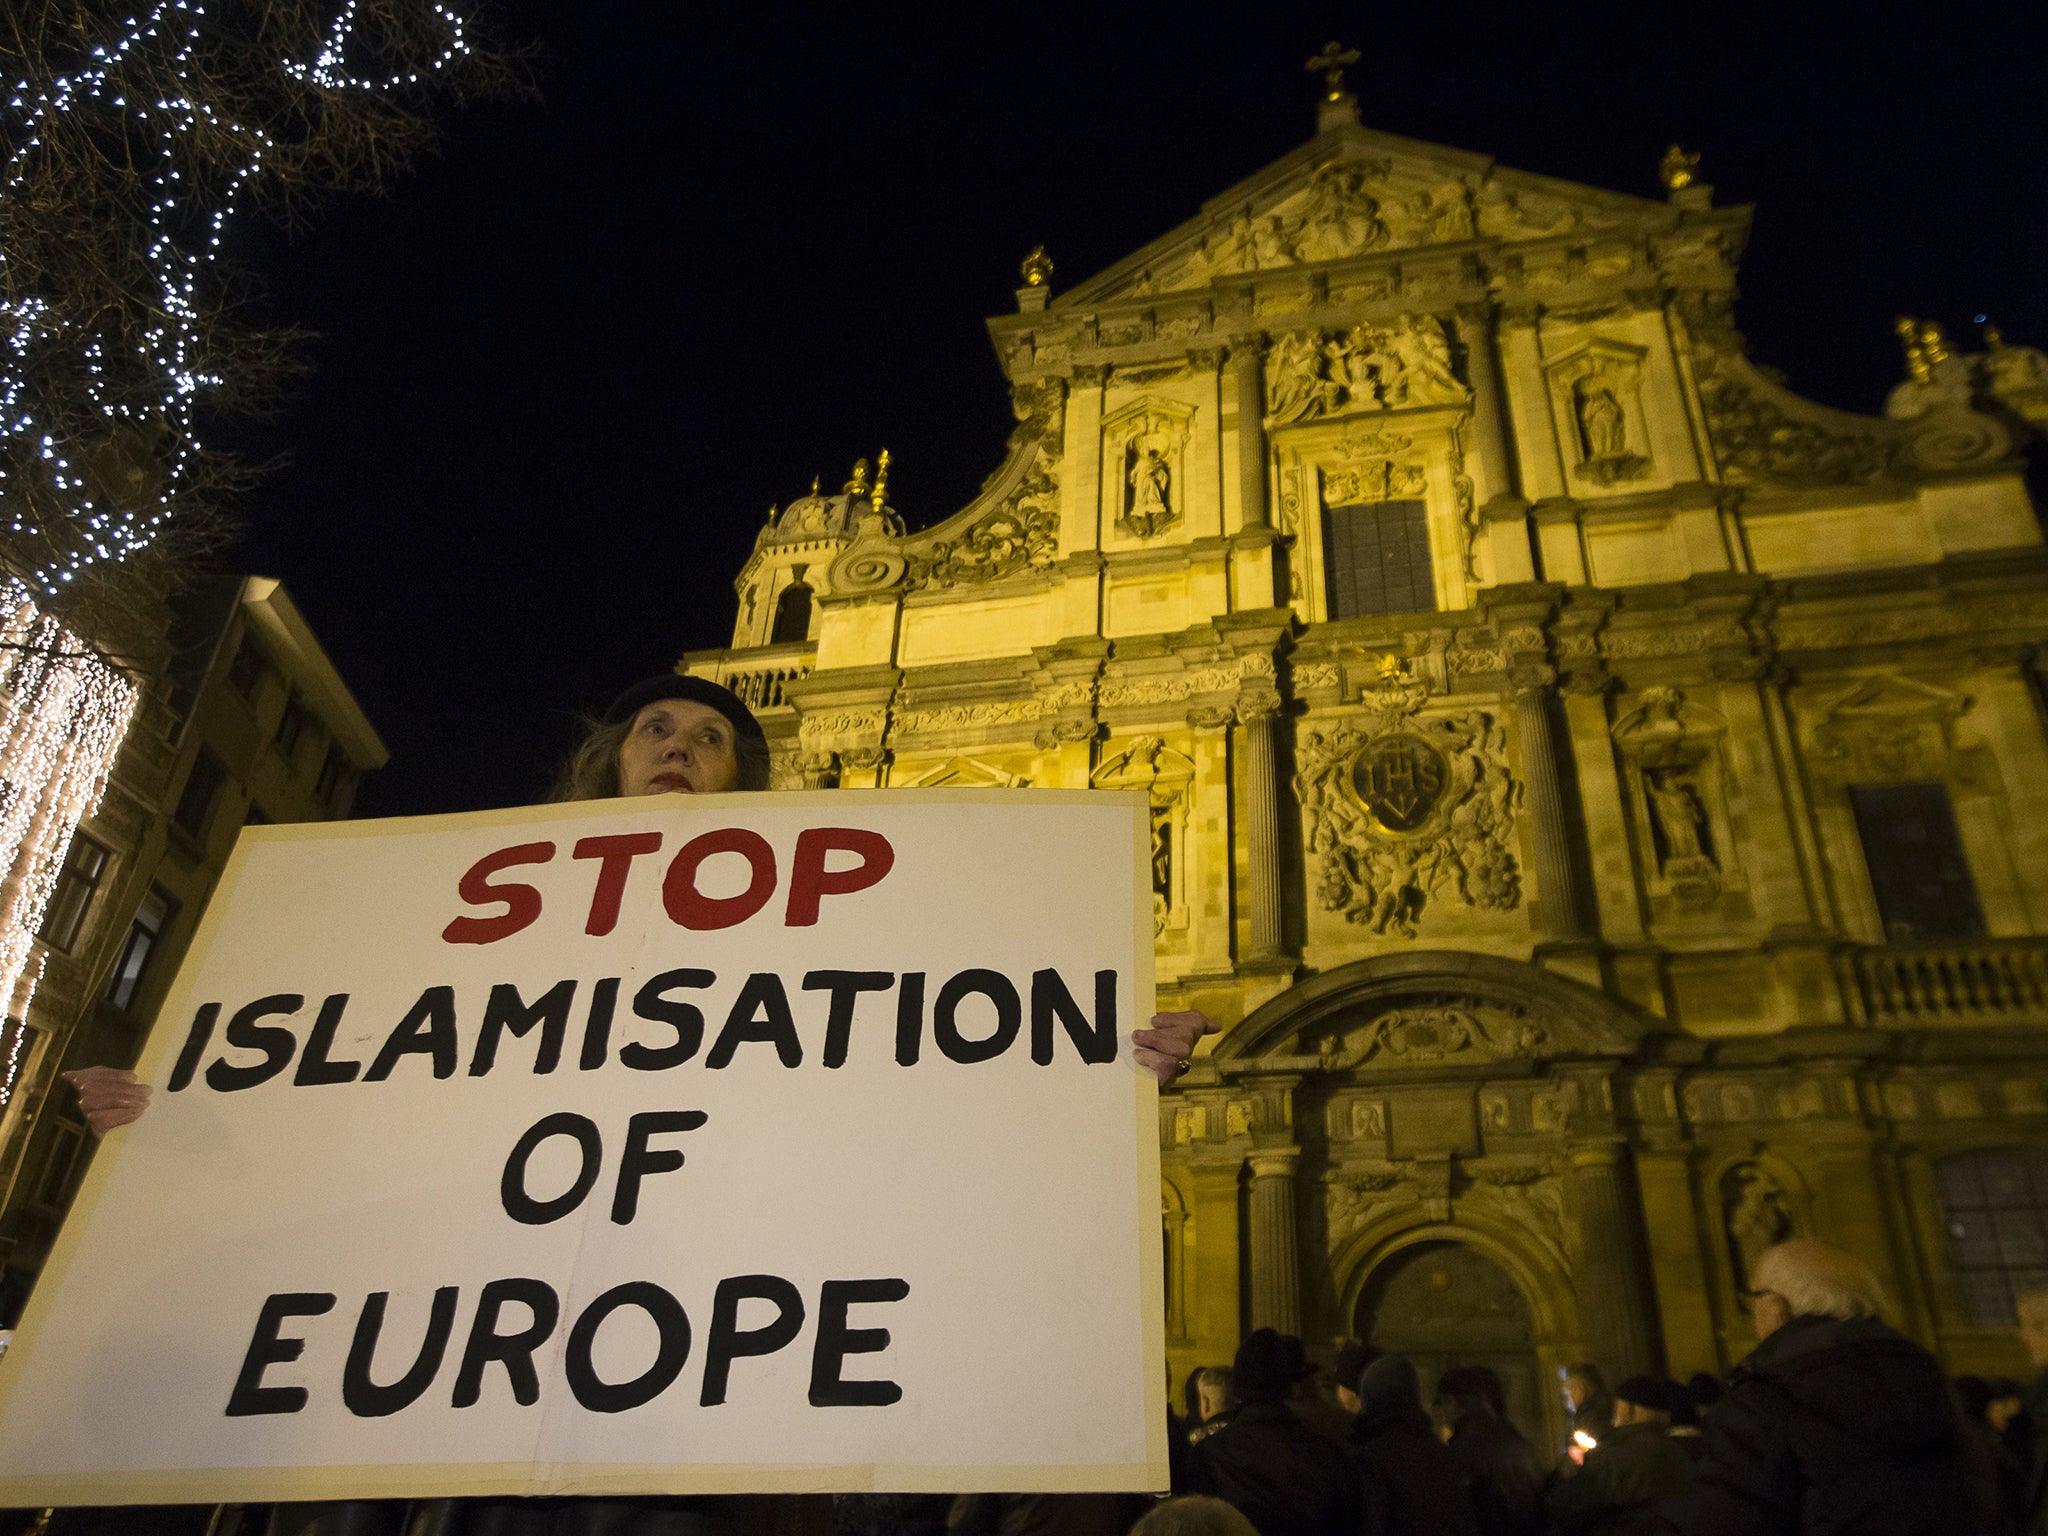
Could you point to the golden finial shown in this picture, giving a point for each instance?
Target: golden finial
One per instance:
(858, 485)
(1934, 342)
(1037, 268)
(881, 480)
(772, 510)
(1908, 330)
(814, 484)
(1330, 64)
(1677, 168)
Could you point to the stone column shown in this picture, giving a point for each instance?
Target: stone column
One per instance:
(1614, 1293)
(1489, 405)
(1557, 881)
(1247, 362)
(1276, 1280)
(1261, 727)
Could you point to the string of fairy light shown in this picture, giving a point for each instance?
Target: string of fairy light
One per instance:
(64, 710)
(177, 267)
(62, 718)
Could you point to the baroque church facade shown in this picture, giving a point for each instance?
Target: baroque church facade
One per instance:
(1602, 795)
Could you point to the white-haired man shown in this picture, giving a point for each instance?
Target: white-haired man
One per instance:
(1835, 1423)
(2033, 1311)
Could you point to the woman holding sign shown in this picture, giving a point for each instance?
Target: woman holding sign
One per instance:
(667, 735)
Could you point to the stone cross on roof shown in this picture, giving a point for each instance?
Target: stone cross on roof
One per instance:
(1330, 64)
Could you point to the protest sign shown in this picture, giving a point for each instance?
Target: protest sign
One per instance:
(737, 1143)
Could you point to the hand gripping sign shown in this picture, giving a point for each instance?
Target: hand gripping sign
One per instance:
(683, 1144)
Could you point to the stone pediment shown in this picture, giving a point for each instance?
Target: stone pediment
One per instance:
(1428, 1011)
(1357, 192)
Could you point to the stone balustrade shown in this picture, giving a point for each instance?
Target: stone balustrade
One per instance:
(1991, 981)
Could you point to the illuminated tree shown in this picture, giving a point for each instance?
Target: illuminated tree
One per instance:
(129, 135)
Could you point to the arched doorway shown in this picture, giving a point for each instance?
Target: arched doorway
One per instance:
(792, 615)
(1443, 1304)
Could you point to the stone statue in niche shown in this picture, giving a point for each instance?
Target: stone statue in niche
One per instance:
(1603, 431)
(1295, 385)
(1753, 1206)
(1601, 423)
(1148, 507)
(1684, 832)
(1162, 867)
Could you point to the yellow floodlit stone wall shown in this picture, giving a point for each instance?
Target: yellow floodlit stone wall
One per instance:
(1536, 910)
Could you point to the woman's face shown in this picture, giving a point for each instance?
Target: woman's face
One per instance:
(678, 745)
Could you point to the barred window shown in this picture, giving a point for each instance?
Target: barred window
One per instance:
(1376, 559)
(1994, 1205)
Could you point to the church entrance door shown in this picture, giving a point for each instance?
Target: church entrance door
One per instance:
(1445, 1304)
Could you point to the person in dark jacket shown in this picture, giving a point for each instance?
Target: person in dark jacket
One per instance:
(2027, 1430)
(1835, 1424)
(1590, 1403)
(1633, 1470)
(1503, 1471)
(1409, 1484)
(1284, 1477)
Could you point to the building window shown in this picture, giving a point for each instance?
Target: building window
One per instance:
(202, 788)
(336, 780)
(1376, 559)
(293, 726)
(792, 614)
(1917, 869)
(144, 934)
(78, 881)
(245, 672)
(70, 1147)
(1995, 1207)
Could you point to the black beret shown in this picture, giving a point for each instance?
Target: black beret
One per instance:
(700, 690)
(1645, 1392)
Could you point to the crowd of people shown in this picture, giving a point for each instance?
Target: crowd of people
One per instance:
(1834, 1423)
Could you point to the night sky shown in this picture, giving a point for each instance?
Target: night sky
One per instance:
(565, 364)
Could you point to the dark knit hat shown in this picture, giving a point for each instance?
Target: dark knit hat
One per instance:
(1268, 1365)
(700, 690)
(1645, 1392)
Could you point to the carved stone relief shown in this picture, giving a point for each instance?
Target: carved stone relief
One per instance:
(1762, 432)
(1888, 730)
(1023, 533)
(1368, 367)
(1437, 1032)
(1398, 809)
(965, 773)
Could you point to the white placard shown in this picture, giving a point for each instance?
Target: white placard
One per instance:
(835, 1090)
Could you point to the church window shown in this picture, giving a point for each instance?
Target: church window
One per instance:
(1376, 559)
(1917, 869)
(1994, 1206)
(792, 614)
